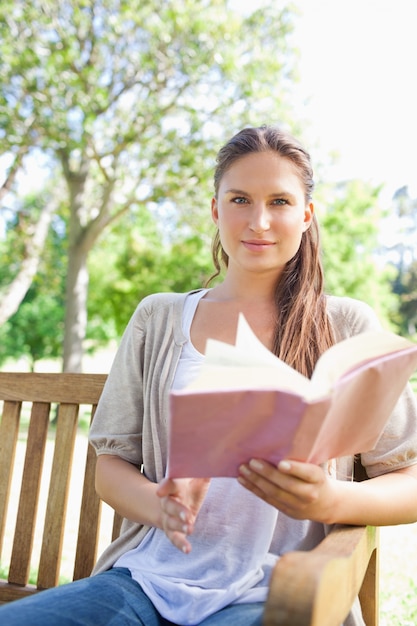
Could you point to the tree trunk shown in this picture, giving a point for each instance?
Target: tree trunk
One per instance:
(83, 233)
(76, 309)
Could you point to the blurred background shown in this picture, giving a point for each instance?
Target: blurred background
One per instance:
(111, 114)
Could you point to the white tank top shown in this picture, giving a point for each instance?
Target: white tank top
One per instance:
(190, 359)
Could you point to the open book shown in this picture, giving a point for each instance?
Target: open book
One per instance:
(247, 403)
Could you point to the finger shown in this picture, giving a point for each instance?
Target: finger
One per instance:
(178, 512)
(257, 489)
(266, 486)
(174, 522)
(286, 501)
(179, 540)
(263, 475)
(306, 472)
(275, 487)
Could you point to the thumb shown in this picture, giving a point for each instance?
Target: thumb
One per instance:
(167, 487)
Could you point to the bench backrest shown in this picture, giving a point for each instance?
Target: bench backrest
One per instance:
(48, 406)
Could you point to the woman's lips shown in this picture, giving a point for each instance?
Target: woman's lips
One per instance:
(257, 245)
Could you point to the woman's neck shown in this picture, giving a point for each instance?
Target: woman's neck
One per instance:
(247, 289)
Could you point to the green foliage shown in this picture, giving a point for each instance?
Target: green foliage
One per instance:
(399, 608)
(402, 250)
(135, 261)
(35, 331)
(137, 91)
(350, 225)
(130, 100)
(407, 280)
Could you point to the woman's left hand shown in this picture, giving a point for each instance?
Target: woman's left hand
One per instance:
(181, 500)
(300, 490)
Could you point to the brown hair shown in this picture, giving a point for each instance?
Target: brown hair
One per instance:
(302, 330)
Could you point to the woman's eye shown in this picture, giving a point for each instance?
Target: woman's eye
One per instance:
(239, 200)
(280, 201)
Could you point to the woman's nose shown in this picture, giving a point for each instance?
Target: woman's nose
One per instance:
(260, 220)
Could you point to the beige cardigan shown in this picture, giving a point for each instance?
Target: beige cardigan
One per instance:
(132, 414)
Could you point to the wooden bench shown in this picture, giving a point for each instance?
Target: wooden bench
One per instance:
(313, 588)
(49, 396)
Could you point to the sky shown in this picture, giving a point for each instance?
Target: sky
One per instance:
(357, 87)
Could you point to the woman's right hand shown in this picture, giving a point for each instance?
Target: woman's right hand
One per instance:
(181, 500)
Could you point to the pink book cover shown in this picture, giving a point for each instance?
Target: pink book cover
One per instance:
(246, 403)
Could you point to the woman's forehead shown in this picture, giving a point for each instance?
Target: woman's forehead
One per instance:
(261, 168)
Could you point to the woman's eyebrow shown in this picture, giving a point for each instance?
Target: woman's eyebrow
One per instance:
(275, 194)
(245, 193)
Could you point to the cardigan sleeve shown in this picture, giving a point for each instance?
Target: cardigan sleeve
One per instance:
(397, 446)
(117, 424)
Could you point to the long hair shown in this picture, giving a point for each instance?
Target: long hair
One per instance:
(302, 329)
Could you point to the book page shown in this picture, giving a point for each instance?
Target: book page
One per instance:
(246, 365)
(233, 377)
(250, 365)
(350, 353)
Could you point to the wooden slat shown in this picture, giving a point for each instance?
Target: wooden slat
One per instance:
(66, 388)
(29, 494)
(117, 524)
(53, 534)
(9, 429)
(90, 516)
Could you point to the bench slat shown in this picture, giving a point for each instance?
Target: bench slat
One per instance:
(53, 534)
(29, 494)
(9, 429)
(68, 388)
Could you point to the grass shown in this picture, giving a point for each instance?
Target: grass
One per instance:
(398, 583)
(33, 575)
(402, 610)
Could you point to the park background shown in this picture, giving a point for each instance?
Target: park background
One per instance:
(110, 117)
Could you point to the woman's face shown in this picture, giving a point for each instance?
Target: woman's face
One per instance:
(261, 212)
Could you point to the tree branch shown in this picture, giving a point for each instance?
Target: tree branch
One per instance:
(13, 170)
(14, 293)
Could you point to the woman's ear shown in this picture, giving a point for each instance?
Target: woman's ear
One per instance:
(308, 215)
(214, 210)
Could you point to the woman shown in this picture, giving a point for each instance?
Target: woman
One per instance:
(201, 551)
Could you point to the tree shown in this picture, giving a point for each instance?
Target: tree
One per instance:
(32, 225)
(129, 97)
(35, 331)
(350, 220)
(137, 265)
(401, 249)
(408, 300)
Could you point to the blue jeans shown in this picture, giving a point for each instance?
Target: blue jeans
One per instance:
(112, 598)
